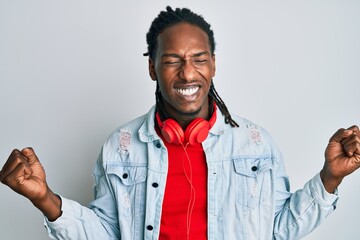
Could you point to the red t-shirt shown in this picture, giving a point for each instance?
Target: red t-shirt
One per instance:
(185, 202)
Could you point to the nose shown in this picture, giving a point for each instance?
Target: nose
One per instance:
(187, 71)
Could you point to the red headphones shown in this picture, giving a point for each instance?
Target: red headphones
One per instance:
(196, 132)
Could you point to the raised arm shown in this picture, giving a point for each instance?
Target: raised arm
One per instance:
(301, 212)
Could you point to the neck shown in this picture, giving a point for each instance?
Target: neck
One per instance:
(183, 119)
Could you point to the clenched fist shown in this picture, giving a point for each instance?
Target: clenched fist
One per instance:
(24, 174)
(342, 157)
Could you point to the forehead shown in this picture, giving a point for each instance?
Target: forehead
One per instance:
(183, 38)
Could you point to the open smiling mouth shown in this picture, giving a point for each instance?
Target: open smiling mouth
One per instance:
(187, 91)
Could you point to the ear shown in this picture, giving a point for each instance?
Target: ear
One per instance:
(152, 71)
(214, 65)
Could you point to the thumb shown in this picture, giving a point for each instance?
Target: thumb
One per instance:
(29, 153)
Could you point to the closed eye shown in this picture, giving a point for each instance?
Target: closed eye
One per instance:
(200, 61)
(171, 62)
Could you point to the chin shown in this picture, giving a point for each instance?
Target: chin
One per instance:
(190, 112)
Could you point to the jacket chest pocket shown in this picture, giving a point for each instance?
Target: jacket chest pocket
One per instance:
(253, 181)
(129, 185)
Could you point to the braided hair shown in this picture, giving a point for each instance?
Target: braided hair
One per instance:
(169, 18)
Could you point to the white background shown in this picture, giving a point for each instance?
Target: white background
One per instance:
(73, 71)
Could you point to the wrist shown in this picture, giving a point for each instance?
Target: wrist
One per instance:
(49, 205)
(330, 182)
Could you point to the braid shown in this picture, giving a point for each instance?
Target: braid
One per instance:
(159, 105)
(170, 18)
(220, 103)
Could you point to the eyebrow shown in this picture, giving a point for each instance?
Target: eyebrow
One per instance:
(200, 54)
(175, 55)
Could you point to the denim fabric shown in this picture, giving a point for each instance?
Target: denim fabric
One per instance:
(248, 190)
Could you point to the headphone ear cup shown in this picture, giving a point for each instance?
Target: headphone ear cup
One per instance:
(197, 131)
(172, 132)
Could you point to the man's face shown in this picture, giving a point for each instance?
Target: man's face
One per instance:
(184, 67)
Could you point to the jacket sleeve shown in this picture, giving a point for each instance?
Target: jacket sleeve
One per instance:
(299, 213)
(98, 221)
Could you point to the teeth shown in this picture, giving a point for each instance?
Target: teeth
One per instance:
(187, 91)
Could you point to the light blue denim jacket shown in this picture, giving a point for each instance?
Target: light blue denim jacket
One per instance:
(248, 189)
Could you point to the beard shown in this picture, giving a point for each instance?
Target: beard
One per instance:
(189, 114)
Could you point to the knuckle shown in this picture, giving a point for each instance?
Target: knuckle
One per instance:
(14, 153)
(354, 128)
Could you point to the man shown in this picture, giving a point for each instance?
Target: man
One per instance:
(188, 169)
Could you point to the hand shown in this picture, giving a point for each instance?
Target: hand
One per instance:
(24, 174)
(342, 157)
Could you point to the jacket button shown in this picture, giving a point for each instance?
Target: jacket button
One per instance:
(125, 176)
(149, 227)
(158, 145)
(155, 184)
(254, 168)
